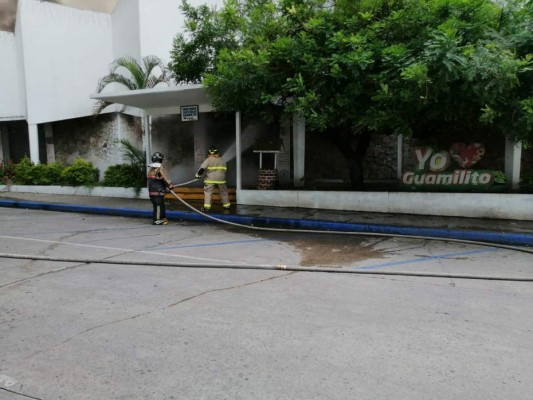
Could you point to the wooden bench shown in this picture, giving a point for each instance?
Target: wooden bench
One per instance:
(197, 194)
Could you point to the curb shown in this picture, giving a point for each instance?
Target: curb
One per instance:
(506, 238)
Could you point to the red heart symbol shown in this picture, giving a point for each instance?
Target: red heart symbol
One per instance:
(466, 156)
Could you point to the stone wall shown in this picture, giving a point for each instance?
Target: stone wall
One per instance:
(380, 161)
(185, 144)
(325, 163)
(95, 139)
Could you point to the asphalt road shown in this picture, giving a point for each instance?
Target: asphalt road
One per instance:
(84, 330)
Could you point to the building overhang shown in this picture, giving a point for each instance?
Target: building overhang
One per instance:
(160, 100)
(104, 6)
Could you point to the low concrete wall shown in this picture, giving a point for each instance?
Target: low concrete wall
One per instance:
(472, 205)
(126, 193)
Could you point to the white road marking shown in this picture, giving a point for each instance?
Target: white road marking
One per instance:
(119, 249)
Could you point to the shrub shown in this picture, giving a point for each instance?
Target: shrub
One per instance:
(499, 177)
(23, 172)
(47, 174)
(526, 182)
(122, 175)
(7, 171)
(137, 159)
(81, 173)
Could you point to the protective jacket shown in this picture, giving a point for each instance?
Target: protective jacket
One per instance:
(215, 170)
(158, 180)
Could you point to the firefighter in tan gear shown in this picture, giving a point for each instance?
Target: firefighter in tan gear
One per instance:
(158, 184)
(214, 168)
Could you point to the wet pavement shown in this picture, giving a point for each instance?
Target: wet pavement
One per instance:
(511, 232)
(101, 307)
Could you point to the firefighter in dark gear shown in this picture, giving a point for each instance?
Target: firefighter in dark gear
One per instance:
(214, 168)
(158, 184)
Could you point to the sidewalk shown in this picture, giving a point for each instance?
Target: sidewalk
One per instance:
(507, 232)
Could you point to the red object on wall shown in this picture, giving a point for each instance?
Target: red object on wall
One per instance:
(466, 156)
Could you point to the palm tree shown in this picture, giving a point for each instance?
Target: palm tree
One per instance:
(139, 76)
(136, 158)
(128, 72)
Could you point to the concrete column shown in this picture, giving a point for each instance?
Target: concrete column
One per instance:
(2, 157)
(149, 127)
(399, 161)
(238, 157)
(513, 157)
(298, 141)
(284, 159)
(147, 137)
(33, 134)
(200, 142)
(119, 134)
(118, 126)
(5, 153)
(49, 138)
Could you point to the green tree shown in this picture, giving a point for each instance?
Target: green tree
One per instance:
(414, 67)
(195, 51)
(128, 72)
(137, 161)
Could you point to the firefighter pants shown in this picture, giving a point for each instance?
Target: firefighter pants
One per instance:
(222, 190)
(158, 203)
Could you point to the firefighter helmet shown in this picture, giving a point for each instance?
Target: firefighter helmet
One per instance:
(213, 150)
(157, 157)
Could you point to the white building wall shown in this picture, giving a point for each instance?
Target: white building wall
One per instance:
(12, 101)
(65, 52)
(160, 21)
(159, 28)
(126, 31)
(54, 60)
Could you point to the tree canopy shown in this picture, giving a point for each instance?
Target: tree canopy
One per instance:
(389, 66)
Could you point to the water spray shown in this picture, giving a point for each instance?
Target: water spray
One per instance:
(231, 151)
